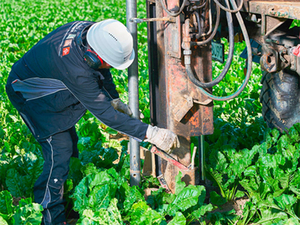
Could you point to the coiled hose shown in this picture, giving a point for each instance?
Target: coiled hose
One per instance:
(228, 62)
(249, 62)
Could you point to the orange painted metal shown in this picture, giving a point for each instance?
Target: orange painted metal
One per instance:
(172, 91)
(168, 158)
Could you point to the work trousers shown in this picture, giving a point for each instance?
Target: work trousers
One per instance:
(49, 187)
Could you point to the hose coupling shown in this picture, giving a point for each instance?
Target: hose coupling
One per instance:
(187, 57)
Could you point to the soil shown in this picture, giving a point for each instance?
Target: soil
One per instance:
(16, 200)
(237, 205)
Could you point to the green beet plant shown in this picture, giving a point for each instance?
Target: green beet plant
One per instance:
(273, 180)
(268, 175)
(105, 195)
(25, 213)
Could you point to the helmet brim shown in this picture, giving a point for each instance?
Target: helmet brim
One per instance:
(127, 63)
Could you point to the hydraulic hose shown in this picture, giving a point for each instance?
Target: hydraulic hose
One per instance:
(199, 6)
(249, 65)
(213, 33)
(170, 13)
(210, 19)
(228, 62)
(198, 23)
(199, 35)
(187, 53)
(230, 10)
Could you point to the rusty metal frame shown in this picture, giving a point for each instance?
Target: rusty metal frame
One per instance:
(273, 14)
(279, 9)
(170, 87)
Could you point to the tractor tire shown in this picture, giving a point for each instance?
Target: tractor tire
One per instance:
(280, 98)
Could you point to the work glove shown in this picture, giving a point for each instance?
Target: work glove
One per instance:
(162, 138)
(123, 108)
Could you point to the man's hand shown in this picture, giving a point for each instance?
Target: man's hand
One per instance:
(123, 108)
(162, 138)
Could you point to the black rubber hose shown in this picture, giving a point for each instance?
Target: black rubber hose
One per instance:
(199, 6)
(228, 62)
(230, 10)
(198, 22)
(249, 65)
(213, 33)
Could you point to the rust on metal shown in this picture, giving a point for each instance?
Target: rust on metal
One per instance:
(269, 24)
(168, 158)
(280, 9)
(274, 58)
(170, 171)
(268, 62)
(172, 93)
(184, 104)
(173, 40)
(135, 171)
(163, 183)
(272, 14)
(167, 19)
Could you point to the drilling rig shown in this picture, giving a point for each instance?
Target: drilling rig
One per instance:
(184, 38)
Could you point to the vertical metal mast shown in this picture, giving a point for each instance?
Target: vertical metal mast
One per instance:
(133, 94)
(176, 103)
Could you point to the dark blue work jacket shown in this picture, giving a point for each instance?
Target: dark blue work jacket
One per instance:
(52, 87)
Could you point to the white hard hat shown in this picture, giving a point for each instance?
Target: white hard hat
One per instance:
(112, 41)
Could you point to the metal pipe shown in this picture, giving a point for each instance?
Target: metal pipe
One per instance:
(201, 157)
(214, 31)
(167, 19)
(133, 95)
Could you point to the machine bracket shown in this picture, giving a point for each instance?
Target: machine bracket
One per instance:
(166, 19)
(185, 104)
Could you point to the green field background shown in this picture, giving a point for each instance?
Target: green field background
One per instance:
(244, 159)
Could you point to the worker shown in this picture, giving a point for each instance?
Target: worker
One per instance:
(56, 81)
